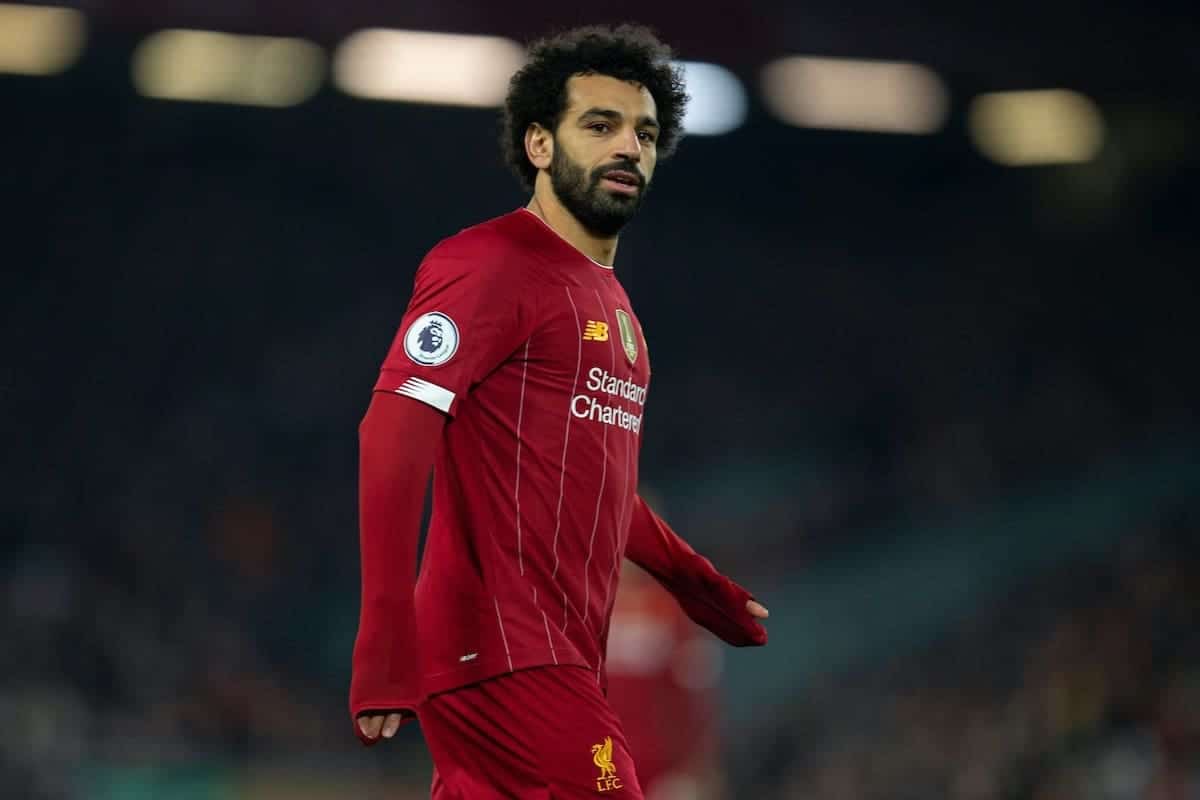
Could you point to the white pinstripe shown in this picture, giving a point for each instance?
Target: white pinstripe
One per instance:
(622, 522)
(549, 639)
(503, 638)
(562, 478)
(517, 487)
(587, 582)
(517, 501)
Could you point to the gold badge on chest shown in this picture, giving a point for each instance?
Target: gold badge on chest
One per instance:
(629, 337)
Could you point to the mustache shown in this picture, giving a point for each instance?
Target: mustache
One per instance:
(619, 166)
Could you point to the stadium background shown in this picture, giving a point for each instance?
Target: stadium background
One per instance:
(937, 409)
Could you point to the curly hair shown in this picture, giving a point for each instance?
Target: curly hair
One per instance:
(538, 91)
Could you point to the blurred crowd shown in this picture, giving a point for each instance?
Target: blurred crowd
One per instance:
(1083, 685)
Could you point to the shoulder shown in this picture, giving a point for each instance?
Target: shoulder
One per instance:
(503, 240)
(474, 256)
(495, 254)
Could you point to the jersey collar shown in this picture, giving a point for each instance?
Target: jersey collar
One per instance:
(562, 238)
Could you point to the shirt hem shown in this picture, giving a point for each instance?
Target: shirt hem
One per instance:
(483, 669)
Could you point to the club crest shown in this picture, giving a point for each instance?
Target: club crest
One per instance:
(629, 337)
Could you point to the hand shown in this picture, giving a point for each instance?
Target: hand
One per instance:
(757, 610)
(382, 724)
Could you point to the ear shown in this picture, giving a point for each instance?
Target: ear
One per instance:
(539, 146)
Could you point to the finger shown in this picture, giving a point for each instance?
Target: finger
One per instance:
(391, 725)
(369, 725)
(757, 609)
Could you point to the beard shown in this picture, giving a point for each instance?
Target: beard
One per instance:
(602, 212)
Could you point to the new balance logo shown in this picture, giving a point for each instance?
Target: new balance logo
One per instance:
(595, 331)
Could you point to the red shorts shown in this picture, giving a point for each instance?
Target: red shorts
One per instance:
(546, 733)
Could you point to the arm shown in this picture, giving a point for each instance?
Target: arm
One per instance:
(464, 318)
(712, 600)
(398, 438)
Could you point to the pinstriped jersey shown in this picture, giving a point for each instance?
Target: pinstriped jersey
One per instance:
(535, 354)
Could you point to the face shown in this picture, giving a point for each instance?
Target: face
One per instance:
(604, 151)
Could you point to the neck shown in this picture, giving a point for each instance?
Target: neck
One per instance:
(545, 204)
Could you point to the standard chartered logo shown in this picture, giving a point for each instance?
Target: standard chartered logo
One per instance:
(586, 406)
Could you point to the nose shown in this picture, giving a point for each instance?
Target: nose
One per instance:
(629, 146)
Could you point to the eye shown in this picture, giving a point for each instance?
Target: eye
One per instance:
(647, 136)
(599, 127)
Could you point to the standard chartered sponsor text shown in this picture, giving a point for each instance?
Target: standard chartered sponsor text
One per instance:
(600, 381)
(585, 406)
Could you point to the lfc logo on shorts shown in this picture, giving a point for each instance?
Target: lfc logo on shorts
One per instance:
(602, 757)
(629, 339)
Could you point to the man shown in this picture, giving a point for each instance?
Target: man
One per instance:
(520, 373)
(662, 672)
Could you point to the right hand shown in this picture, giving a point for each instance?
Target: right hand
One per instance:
(382, 724)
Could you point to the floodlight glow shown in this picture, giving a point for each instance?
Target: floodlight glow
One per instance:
(718, 99)
(39, 40)
(420, 67)
(211, 67)
(1050, 126)
(848, 94)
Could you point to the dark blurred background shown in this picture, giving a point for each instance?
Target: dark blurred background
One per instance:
(936, 410)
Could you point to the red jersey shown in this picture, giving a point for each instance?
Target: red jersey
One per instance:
(534, 352)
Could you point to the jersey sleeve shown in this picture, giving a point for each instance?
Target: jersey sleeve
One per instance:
(465, 318)
(712, 600)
